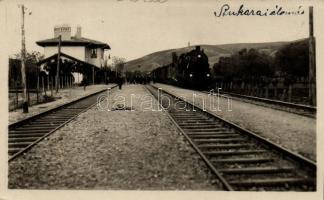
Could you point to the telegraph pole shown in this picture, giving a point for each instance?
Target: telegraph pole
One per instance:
(312, 64)
(23, 61)
(57, 79)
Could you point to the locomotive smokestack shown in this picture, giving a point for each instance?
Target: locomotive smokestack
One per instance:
(197, 48)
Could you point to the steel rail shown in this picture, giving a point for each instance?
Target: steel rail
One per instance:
(298, 159)
(45, 113)
(286, 151)
(205, 159)
(308, 108)
(274, 101)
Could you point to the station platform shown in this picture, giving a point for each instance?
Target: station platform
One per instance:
(63, 96)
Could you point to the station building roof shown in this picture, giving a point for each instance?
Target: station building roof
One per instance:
(74, 41)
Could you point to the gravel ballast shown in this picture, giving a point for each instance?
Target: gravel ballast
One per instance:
(114, 150)
(295, 132)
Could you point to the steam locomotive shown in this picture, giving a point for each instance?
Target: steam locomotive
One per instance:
(189, 70)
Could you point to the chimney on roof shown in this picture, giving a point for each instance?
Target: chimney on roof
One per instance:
(78, 32)
(63, 30)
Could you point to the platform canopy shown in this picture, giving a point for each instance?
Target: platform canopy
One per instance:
(73, 64)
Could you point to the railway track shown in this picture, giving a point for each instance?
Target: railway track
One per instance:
(240, 159)
(24, 134)
(300, 109)
(305, 110)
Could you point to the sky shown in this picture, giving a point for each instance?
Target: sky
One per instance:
(134, 29)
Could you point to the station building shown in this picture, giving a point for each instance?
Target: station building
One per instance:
(84, 51)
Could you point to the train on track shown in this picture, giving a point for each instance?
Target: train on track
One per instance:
(189, 70)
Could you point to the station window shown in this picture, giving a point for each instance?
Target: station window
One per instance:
(93, 53)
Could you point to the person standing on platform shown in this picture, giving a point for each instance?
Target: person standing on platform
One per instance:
(120, 82)
(85, 82)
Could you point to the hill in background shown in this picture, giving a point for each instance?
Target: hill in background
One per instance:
(214, 52)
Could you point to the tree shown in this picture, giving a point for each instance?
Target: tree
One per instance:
(247, 65)
(31, 57)
(31, 68)
(293, 59)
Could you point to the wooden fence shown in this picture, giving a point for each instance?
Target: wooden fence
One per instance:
(295, 93)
